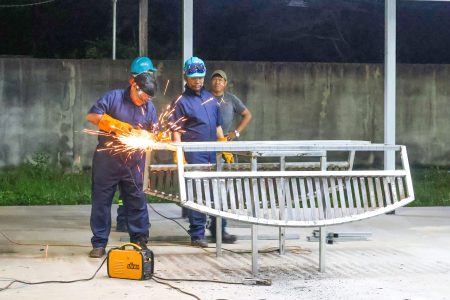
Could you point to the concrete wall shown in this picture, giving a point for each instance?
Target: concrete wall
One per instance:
(44, 102)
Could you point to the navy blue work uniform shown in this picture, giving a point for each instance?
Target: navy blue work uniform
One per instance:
(202, 117)
(110, 170)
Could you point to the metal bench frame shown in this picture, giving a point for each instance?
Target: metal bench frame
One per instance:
(284, 198)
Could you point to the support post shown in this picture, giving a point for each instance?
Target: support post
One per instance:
(322, 249)
(282, 230)
(390, 83)
(143, 27)
(219, 219)
(254, 228)
(114, 29)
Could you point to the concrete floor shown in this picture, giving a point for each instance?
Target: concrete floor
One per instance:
(406, 257)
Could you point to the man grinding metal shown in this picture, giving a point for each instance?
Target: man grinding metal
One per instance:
(122, 112)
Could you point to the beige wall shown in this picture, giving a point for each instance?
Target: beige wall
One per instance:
(43, 104)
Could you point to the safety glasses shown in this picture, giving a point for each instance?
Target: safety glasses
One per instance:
(195, 68)
(142, 95)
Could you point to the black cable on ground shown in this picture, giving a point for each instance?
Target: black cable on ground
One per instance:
(171, 219)
(53, 281)
(176, 288)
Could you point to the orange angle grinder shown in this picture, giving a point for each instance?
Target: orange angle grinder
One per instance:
(130, 261)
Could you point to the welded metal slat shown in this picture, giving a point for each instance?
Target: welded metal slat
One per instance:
(379, 192)
(230, 190)
(207, 193)
(240, 196)
(364, 193)
(344, 208)
(336, 209)
(288, 199)
(348, 187)
(296, 199)
(393, 189)
(280, 196)
(373, 203)
(255, 197)
(248, 197)
(357, 194)
(273, 205)
(223, 194)
(329, 213)
(190, 190)
(198, 191)
(401, 189)
(305, 207)
(215, 190)
(319, 198)
(262, 183)
(387, 192)
(311, 198)
(167, 182)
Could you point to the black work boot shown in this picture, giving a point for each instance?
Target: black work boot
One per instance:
(142, 242)
(226, 238)
(97, 252)
(202, 243)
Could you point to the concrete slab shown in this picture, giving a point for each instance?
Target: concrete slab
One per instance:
(406, 257)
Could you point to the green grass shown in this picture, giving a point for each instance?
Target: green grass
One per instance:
(431, 187)
(41, 184)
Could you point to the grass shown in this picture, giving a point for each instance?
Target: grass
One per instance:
(431, 186)
(39, 183)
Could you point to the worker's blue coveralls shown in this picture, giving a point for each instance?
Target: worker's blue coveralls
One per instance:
(202, 119)
(110, 170)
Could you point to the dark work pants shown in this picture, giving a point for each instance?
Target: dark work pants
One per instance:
(108, 172)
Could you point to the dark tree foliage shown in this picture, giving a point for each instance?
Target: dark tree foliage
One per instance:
(260, 30)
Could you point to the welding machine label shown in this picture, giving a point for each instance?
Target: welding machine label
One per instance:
(132, 266)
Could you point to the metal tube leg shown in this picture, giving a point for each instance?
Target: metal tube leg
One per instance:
(322, 249)
(218, 236)
(282, 240)
(254, 250)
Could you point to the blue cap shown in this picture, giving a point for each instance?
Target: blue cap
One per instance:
(142, 64)
(194, 67)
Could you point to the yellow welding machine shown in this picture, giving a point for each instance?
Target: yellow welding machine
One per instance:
(130, 261)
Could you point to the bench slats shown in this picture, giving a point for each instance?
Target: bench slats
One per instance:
(207, 193)
(198, 189)
(230, 189)
(306, 213)
(312, 205)
(256, 197)
(357, 195)
(280, 197)
(264, 198)
(319, 198)
(379, 193)
(364, 193)
(273, 205)
(248, 198)
(240, 196)
(336, 209)
(329, 212)
(387, 193)
(287, 192)
(296, 199)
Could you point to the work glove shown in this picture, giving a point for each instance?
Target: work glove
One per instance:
(227, 156)
(109, 124)
(175, 160)
(163, 137)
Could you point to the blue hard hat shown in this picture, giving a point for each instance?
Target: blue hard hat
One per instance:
(142, 64)
(194, 67)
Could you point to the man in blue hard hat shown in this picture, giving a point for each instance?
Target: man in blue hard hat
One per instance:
(139, 65)
(201, 121)
(121, 112)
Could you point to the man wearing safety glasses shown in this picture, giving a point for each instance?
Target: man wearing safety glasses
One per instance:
(197, 118)
(122, 112)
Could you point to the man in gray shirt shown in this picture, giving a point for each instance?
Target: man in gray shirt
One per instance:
(230, 105)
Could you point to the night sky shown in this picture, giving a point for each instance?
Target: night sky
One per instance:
(259, 30)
